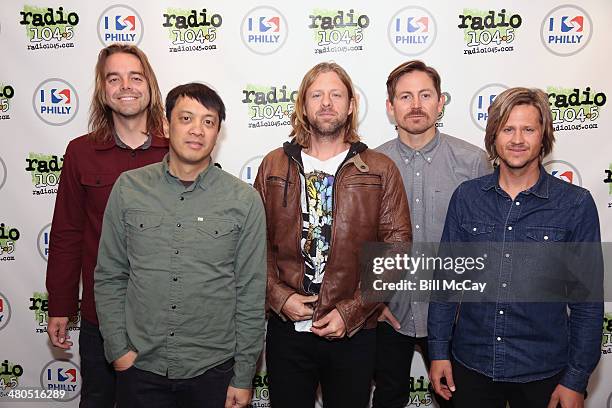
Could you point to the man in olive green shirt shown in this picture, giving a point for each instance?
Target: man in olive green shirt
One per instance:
(180, 279)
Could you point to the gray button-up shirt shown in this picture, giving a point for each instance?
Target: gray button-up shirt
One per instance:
(181, 273)
(431, 175)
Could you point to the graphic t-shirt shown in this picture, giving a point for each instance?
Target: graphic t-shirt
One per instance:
(316, 200)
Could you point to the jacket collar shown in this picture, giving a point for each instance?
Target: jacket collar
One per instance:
(294, 151)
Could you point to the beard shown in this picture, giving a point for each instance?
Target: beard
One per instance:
(331, 129)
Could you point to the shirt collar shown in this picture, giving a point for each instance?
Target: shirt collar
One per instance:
(147, 143)
(203, 179)
(539, 189)
(153, 140)
(428, 151)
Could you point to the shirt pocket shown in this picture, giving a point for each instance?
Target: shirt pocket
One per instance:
(98, 188)
(477, 242)
(545, 255)
(216, 241)
(143, 232)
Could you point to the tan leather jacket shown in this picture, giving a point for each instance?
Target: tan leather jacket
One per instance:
(369, 204)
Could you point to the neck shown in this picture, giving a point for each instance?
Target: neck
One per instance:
(416, 141)
(325, 147)
(514, 181)
(131, 130)
(186, 171)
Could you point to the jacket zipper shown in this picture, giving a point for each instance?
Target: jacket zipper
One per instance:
(331, 241)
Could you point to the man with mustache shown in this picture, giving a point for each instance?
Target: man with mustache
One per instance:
(432, 165)
(125, 124)
(534, 351)
(325, 195)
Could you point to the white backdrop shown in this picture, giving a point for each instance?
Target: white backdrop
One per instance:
(255, 54)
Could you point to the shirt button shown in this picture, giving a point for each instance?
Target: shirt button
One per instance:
(474, 229)
(429, 159)
(545, 237)
(175, 279)
(171, 333)
(133, 153)
(418, 173)
(499, 339)
(518, 203)
(501, 312)
(176, 252)
(406, 161)
(510, 228)
(182, 198)
(173, 307)
(507, 255)
(178, 225)
(418, 200)
(504, 285)
(417, 226)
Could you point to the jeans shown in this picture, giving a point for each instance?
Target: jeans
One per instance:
(142, 389)
(394, 352)
(478, 390)
(98, 376)
(297, 362)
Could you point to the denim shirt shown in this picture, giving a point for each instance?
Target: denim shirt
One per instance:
(519, 342)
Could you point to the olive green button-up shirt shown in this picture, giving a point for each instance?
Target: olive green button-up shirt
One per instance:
(181, 273)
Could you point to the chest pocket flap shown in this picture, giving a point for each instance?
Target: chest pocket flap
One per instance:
(546, 234)
(216, 228)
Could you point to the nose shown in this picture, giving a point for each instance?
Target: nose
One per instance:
(416, 102)
(326, 100)
(196, 129)
(125, 83)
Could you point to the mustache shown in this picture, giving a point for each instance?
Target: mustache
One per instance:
(416, 112)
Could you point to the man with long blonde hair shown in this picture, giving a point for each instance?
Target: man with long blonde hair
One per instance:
(325, 195)
(125, 132)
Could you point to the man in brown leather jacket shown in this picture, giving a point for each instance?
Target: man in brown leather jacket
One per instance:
(325, 195)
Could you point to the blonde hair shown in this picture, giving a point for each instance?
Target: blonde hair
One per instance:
(299, 121)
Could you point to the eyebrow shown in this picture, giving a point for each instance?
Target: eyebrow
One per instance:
(208, 115)
(130, 73)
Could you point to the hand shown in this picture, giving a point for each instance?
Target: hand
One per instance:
(386, 316)
(125, 361)
(297, 307)
(237, 397)
(330, 326)
(56, 329)
(566, 398)
(442, 369)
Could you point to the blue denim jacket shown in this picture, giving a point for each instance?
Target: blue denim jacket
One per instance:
(519, 342)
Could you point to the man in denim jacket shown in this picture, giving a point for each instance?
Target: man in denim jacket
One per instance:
(527, 354)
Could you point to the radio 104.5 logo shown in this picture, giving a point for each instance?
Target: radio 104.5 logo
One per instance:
(489, 31)
(45, 170)
(191, 30)
(575, 108)
(338, 30)
(49, 28)
(7, 92)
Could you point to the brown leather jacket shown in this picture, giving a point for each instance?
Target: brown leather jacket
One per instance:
(369, 204)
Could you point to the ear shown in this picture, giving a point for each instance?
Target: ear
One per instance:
(441, 103)
(166, 128)
(389, 107)
(354, 100)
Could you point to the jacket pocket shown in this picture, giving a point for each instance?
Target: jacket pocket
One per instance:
(98, 188)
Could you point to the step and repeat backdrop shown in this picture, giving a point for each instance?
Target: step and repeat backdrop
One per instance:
(255, 54)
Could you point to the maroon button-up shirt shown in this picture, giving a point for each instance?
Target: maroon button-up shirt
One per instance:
(89, 172)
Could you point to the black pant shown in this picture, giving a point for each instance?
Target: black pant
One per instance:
(98, 376)
(394, 352)
(142, 389)
(298, 362)
(478, 390)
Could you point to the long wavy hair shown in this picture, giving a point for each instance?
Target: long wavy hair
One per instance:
(299, 121)
(101, 126)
